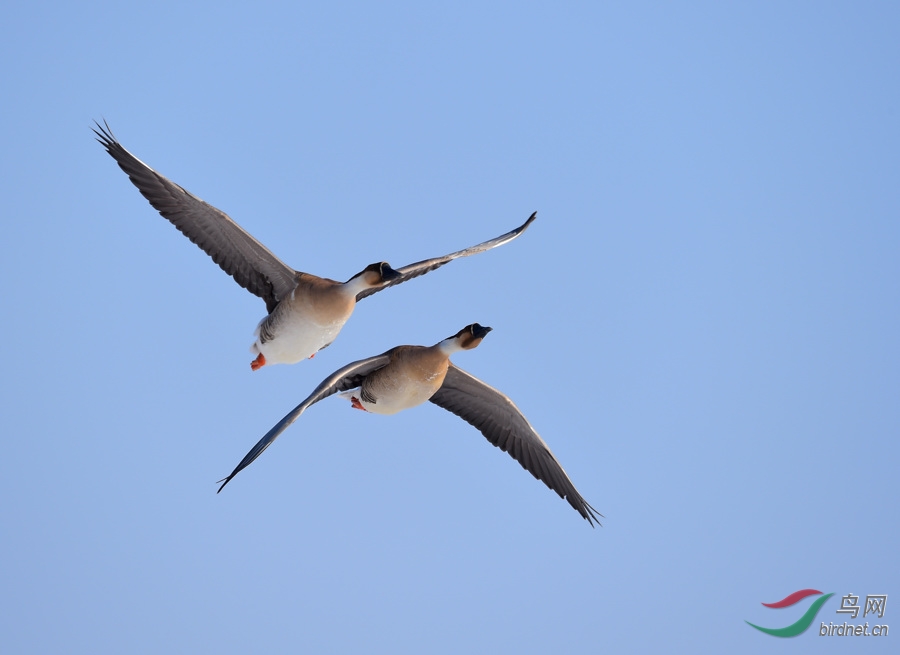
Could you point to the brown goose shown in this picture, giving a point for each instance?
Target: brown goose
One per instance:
(407, 376)
(305, 312)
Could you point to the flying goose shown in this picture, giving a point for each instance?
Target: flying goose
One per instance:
(305, 312)
(407, 376)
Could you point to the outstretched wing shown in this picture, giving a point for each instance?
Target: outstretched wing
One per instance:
(344, 379)
(244, 258)
(420, 268)
(498, 419)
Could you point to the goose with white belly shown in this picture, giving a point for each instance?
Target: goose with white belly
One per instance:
(305, 312)
(407, 376)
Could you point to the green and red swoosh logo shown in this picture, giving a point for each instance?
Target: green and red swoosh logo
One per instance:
(805, 621)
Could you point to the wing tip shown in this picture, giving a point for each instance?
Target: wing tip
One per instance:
(590, 515)
(524, 226)
(104, 134)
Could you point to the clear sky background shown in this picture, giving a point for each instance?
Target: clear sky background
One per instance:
(702, 323)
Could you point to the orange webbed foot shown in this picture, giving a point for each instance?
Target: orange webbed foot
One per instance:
(355, 404)
(259, 362)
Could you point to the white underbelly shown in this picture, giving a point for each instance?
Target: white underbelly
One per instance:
(296, 339)
(396, 398)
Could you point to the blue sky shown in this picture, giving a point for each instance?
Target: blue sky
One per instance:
(702, 323)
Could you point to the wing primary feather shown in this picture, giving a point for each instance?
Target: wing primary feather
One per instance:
(478, 404)
(238, 253)
(427, 265)
(348, 377)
